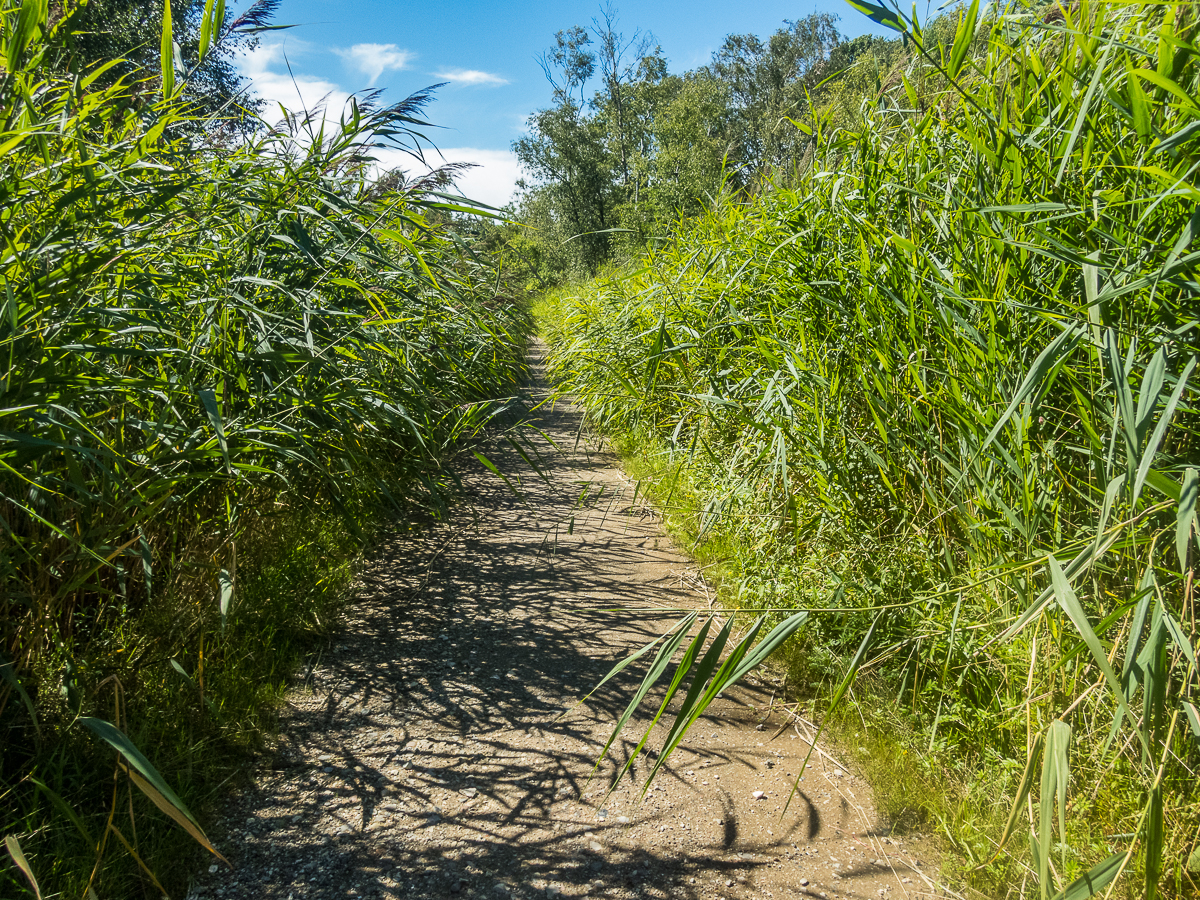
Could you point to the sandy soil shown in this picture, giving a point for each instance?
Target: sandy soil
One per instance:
(437, 749)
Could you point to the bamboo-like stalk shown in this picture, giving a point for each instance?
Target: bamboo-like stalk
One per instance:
(962, 346)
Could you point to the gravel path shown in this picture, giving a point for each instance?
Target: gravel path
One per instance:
(427, 754)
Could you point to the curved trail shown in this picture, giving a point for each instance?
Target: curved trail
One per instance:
(424, 755)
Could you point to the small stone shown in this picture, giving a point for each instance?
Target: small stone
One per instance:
(759, 795)
(471, 792)
(595, 846)
(327, 769)
(501, 888)
(212, 870)
(803, 882)
(553, 890)
(622, 820)
(455, 887)
(758, 727)
(602, 814)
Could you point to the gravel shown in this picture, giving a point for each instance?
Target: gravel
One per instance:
(404, 771)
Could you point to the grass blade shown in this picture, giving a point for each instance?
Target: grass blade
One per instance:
(18, 857)
(146, 777)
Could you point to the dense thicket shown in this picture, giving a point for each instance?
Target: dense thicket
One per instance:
(220, 366)
(940, 387)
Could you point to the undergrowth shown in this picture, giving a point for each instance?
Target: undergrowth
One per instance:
(224, 366)
(933, 406)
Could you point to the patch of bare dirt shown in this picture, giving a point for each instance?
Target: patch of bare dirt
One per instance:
(428, 754)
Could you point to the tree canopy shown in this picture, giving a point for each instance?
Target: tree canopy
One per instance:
(648, 147)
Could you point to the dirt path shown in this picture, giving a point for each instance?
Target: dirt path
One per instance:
(425, 756)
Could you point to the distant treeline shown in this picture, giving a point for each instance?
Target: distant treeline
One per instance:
(608, 172)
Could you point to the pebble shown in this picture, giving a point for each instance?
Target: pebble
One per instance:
(455, 749)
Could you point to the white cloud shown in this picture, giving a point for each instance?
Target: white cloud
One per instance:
(469, 77)
(373, 60)
(491, 180)
(271, 78)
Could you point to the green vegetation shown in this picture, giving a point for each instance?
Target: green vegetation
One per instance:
(937, 386)
(609, 173)
(224, 364)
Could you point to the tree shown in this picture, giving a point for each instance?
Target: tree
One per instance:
(768, 82)
(690, 147)
(620, 63)
(606, 174)
(568, 65)
(101, 31)
(565, 154)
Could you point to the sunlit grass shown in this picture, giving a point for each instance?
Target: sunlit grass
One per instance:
(224, 367)
(942, 386)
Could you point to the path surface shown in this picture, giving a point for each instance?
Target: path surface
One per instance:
(425, 755)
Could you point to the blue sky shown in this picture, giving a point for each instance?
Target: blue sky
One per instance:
(488, 54)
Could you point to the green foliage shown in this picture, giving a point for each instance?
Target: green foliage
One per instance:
(950, 373)
(649, 148)
(126, 34)
(769, 83)
(222, 368)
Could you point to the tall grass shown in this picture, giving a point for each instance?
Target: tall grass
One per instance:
(946, 385)
(220, 364)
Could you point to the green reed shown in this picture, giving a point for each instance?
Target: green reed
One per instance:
(222, 361)
(948, 380)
